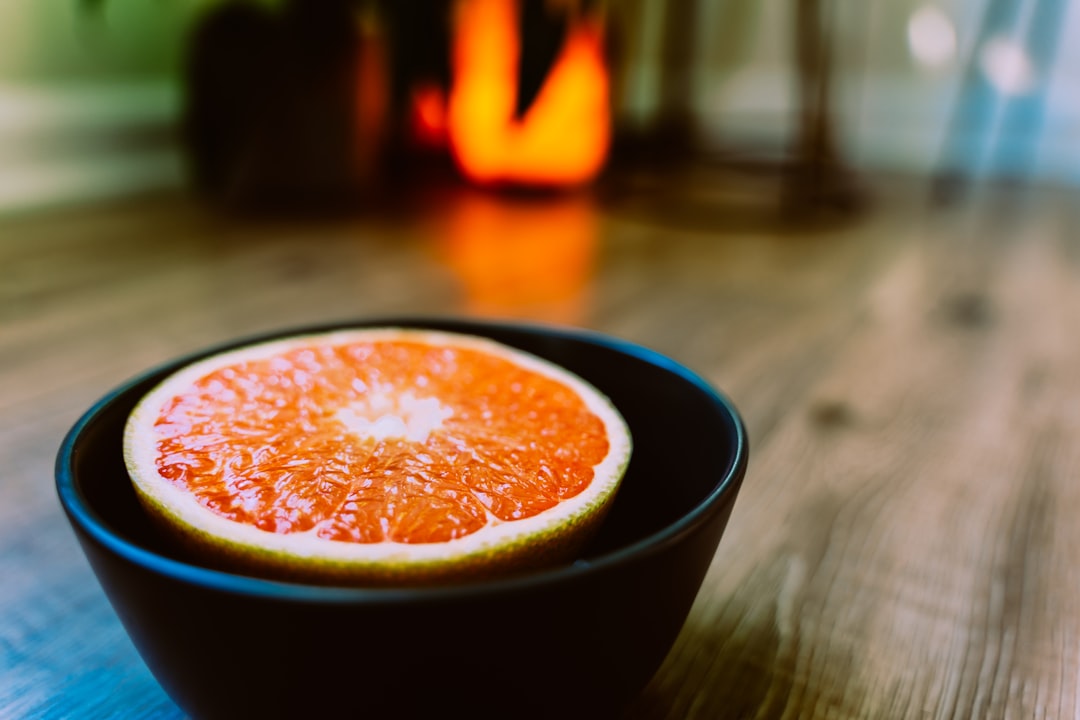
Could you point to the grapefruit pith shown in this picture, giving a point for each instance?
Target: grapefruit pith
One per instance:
(377, 456)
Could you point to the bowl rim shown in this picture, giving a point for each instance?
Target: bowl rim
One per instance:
(81, 514)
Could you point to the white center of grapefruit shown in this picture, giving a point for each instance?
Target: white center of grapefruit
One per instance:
(382, 415)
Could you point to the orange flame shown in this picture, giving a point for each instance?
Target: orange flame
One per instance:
(563, 138)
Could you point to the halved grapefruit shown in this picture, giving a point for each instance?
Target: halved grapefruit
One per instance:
(377, 456)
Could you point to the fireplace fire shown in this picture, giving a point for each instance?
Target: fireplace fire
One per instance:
(563, 137)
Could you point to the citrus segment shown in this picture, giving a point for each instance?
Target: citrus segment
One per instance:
(371, 453)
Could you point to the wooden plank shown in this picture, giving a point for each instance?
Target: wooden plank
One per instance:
(904, 544)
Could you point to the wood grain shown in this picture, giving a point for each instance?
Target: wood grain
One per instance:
(905, 542)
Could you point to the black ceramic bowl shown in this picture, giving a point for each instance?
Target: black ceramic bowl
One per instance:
(580, 640)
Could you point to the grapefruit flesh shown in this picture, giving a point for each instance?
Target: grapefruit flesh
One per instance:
(377, 456)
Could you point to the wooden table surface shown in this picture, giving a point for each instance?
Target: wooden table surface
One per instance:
(906, 542)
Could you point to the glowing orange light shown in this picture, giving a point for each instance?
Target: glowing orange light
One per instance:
(563, 139)
(529, 259)
(429, 115)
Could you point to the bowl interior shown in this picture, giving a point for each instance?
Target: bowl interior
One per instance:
(689, 444)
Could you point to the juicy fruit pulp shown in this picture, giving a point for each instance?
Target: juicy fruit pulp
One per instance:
(394, 438)
(334, 439)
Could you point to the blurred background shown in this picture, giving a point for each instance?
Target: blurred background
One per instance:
(330, 99)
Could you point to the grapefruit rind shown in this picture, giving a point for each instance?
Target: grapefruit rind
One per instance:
(551, 536)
